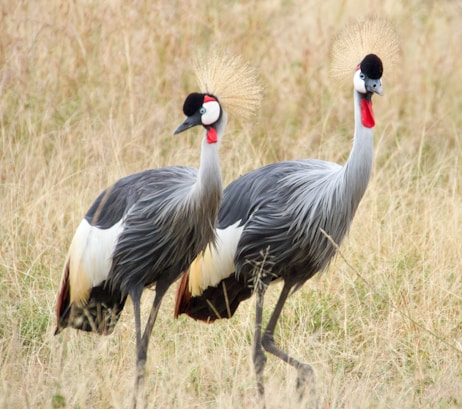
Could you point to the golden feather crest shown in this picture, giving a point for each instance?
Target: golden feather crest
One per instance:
(370, 36)
(232, 81)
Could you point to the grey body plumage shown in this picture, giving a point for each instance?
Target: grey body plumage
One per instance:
(298, 200)
(163, 229)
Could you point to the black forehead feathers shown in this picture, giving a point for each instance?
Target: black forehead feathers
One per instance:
(372, 66)
(192, 103)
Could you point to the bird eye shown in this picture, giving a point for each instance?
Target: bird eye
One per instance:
(362, 76)
(202, 111)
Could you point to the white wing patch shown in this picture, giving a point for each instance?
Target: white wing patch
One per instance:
(215, 263)
(90, 258)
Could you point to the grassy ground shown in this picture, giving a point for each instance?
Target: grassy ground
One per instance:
(91, 91)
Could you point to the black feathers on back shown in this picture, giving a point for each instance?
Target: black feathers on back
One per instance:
(192, 103)
(372, 66)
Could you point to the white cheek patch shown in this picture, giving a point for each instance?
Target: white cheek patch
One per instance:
(211, 114)
(359, 83)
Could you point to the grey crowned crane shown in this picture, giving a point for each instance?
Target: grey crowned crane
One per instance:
(147, 228)
(276, 222)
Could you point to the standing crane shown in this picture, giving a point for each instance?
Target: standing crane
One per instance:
(285, 220)
(148, 227)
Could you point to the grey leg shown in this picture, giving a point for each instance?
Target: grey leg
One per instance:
(259, 357)
(140, 351)
(305, 374)
(142, 342)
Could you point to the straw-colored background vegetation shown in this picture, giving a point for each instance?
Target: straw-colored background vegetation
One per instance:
(91, 91)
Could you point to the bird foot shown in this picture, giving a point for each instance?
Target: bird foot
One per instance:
(306, 383)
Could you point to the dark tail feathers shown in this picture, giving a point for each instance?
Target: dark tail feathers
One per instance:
(214, 303)
(99, 315)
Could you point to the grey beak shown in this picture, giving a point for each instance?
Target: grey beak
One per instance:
(374, 86)
(189, 122)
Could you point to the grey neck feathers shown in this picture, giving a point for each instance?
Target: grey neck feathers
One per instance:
(209, 176)
(356, 171)
(207, 191)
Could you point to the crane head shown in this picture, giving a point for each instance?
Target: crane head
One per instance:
(200, 109)
(361, 42)
(368, 76)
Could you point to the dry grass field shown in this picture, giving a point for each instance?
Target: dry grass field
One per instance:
(91, 91)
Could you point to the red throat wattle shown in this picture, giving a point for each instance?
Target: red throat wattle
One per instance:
(367, 115)
(212, 135)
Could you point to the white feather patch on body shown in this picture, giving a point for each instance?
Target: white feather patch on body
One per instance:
(215, 263)
(90, 258)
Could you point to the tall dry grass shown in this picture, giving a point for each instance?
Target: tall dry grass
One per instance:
(91, 91)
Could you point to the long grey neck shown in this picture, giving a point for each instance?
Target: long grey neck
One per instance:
(357, 169)
(207, 191)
